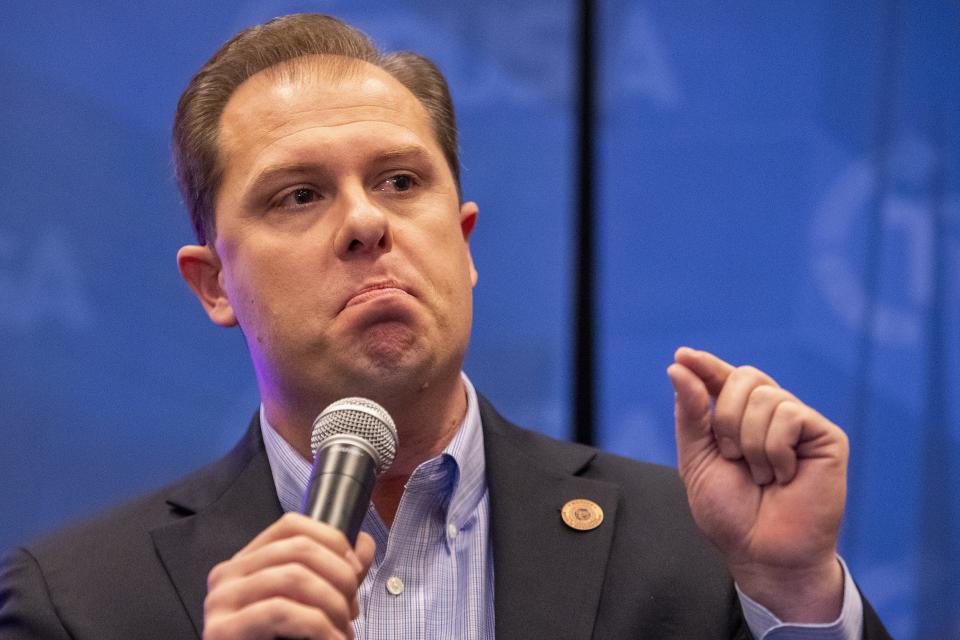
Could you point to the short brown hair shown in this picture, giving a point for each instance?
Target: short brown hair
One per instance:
(196, 125)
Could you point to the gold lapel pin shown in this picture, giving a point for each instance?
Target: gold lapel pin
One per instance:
(582, 514)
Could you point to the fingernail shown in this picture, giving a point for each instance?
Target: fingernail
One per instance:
(728, 448)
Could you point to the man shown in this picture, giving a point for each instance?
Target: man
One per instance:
(323, 183)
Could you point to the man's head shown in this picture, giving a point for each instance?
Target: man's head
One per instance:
(196, 127)
(341, 245)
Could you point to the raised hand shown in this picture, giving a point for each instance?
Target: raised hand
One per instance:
(766, 481)
(297, 579)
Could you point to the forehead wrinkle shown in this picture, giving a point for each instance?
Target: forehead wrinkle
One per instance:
(267, 103)
(261, 141)
(282, 122)
(296, 107)
(266, 119)
(259, 152)
(268, 113)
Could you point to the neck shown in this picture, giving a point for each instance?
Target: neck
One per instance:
(425, 429)
(426, 419)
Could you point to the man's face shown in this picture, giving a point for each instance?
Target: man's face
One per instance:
(341, 245)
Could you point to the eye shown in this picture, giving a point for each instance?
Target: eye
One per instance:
(298, 197)
(398, 183)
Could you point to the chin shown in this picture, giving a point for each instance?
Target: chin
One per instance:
(389, 351)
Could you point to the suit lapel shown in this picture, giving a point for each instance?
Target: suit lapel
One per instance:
(547, 576)
(221, 510)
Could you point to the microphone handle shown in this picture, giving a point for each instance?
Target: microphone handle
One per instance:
(341, 485)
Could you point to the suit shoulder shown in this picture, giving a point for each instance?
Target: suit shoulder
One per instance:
(575, 458)
(118, 526)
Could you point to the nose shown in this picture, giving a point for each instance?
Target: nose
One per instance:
(365, 228)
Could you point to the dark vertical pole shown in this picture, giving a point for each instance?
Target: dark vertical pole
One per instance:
(584, 391)
(938, 551)
(858, 429)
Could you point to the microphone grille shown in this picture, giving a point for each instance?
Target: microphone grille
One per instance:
(360, 418)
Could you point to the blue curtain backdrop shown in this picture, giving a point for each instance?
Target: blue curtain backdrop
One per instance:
(777, 182)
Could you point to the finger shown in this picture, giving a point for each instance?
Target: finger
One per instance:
(365, 550)
(692, 412)
(706, 366)
(292, 524)
(799, 433)
(272, 618)
(299, 549)
(757, 416)
(363, 556)
(786, 429)
(730, 406)
(292, 582)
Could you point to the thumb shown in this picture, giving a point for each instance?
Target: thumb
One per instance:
(692, 413)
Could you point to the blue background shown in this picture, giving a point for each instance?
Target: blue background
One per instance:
(777, 182)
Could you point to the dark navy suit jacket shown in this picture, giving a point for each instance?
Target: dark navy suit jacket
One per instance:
(140, 570)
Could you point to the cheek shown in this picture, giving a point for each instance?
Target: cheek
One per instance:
(441, 257)
(454, 284)
(258, 289)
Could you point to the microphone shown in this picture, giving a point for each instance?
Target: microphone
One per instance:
(354, 440)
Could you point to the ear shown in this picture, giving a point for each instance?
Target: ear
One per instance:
(201, 269)
(468, 219)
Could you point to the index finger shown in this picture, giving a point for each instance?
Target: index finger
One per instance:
(709, 368)
(296, 524)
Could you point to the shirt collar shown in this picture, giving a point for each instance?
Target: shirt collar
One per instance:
(291, 472)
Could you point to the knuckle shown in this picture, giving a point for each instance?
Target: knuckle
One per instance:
(750, 374)
(212, 603)
(843, 441)
(341, 581)
(789, 411)
(345, 585)
(275, 611)
(216, 574)
(220, 627)
(293, 577)
(302, 544)
(762, 394)
(745, 372)
(288, 520)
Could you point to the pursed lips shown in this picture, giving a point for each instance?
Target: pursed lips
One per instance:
(374, 291)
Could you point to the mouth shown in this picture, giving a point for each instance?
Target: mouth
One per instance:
(375, 292)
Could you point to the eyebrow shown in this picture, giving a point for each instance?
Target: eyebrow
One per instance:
(273, 172)
(404, 152)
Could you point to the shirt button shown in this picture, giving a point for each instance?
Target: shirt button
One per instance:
(452, 530)
(395, 585)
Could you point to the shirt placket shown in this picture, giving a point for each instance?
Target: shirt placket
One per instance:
(394, 596)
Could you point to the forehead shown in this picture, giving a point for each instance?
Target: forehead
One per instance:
(324, 94)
